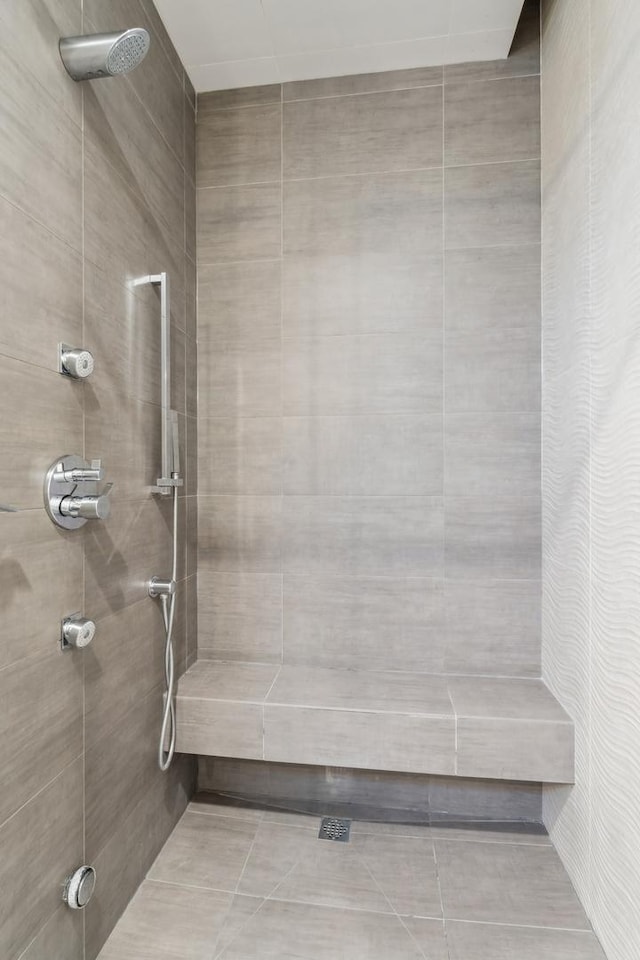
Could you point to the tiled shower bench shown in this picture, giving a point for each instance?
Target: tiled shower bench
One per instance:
(491, 728)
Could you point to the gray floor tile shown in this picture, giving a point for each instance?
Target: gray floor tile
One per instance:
(291, 863)
(507, 883)
(430, 936)
(483, 941)
(294, 931)
(405, 870)
(169, 922)
(205, 851)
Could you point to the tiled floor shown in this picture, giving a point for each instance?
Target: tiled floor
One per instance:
(243, 884)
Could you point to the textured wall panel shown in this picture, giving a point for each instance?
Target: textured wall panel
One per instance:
(591, 445)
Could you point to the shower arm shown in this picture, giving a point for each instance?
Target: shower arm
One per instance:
(170, 466)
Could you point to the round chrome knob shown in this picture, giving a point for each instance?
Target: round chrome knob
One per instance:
(79, 887)
(78, 632)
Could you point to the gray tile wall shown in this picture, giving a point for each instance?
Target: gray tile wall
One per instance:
(96, 186)
(369, 369)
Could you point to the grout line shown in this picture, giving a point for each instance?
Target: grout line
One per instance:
(473, 246)
(400, 918)
(439, 882)
(42, 789)
(368, 173)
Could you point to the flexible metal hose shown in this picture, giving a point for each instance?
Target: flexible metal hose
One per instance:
(168, 614)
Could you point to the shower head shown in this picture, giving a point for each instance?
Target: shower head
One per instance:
(104, 54)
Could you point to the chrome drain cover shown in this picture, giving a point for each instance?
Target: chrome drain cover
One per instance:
(335, 828)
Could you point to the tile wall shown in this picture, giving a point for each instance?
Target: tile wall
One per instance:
(96, 188)
(369, 369)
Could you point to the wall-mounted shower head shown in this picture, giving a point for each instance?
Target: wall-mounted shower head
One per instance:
(104, 54)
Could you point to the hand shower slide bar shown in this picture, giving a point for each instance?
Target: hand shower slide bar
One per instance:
(170, 467)
(165, 589)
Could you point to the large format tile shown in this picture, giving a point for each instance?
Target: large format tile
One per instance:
(492, 122)
(240, 616)
(120, 428)
(140, 834)
(382, 373)
(500, 537)
(205, 851)
(239, 301)
(375, 214)
(239, 379)
(493, 627)
(344, 622)
(514, 726)
(41, 420)
(41, 279)
(166, 921)
(484, 941)
(363, 536)
(40, 724)
(239, 223)
(321, 933)
(507, 698)
(291, 863)
(495, 203)
(159, 85)
(398, 130)
(364, 455)
(492, 454)
(362, 83)
(430, 937)
(361, 690)
(121, 329)
(239, 146)
(325, 294)
(493, 288)
(226, 680)
(122, 553)
(123, 664)
(240, 534)
(62, 935)
(507, 883)
(240, 455)
(212, 101)
(52, 821)
(43, 24)
(522, 750)
(405, 870)
(32, 546)
(41, 159)
(120, 767)
(493, 370)
(220, 728)
(352, 738)
(116, 221)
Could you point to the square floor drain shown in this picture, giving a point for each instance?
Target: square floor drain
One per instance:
(335, 828)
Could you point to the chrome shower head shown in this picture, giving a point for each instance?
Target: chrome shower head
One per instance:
(104, 54)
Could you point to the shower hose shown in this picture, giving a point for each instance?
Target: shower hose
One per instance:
(168, 729)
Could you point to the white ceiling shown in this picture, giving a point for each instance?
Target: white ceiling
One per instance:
(238, 43)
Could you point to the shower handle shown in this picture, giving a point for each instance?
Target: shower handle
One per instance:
(88, 507)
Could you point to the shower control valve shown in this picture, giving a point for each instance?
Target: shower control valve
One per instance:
(88, 507)
(72, 494)
(80, 474)
(76, 631)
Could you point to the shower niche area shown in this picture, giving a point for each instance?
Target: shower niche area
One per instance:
(369, 436)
